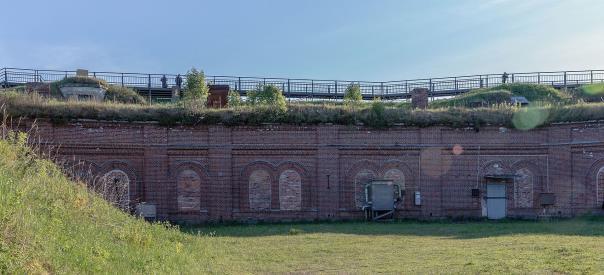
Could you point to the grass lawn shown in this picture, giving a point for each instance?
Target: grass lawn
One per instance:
(571, 246)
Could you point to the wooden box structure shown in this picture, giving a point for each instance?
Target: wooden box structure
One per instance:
(218, 96)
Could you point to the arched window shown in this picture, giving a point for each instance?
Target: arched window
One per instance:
(523, 188)
(260, 190)
(114, 186)
(290, 190)
(188, 185)
(361, 179)
(600, 188)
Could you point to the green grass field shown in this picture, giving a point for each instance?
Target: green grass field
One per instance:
(49, 224)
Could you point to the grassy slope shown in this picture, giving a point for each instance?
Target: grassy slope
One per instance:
(49, 224)
(501, 94)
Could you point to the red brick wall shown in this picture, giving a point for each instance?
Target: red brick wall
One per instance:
(563, 159)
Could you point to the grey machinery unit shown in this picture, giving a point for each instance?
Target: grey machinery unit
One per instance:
(381, 197)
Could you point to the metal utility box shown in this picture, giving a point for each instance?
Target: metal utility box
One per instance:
(382, 195)
(218, 96)
(418, 198)
(547, 199)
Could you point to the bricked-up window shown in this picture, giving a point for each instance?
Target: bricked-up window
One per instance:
(523, 188)
(260, 190)
(361, 179)
(290, 190)
(396, 176)
(600, 188)
(188, 185)
(114, 187)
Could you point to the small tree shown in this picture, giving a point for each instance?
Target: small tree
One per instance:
(196, 87)
(234, 99)
(353, 93)
(268, 95)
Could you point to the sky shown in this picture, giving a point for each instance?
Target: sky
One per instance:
(377, 40)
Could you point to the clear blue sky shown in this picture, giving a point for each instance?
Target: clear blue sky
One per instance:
(348, 39)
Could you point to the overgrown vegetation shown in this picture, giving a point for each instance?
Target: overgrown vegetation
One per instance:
(377, 114)
(353, 93)
(123, 95)
(75, 80)
(589, 93)
(536, 94)
(268, 95)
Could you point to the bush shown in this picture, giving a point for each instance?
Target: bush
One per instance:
(268, 95)
(589, 93)
(123, 95)
(234, 99)
(195, 87)
(353, 93)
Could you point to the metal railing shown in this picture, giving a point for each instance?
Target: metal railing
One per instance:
(314, 88)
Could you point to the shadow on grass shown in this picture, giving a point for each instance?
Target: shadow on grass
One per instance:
(585, 226)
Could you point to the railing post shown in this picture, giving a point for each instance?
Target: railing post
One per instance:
(372, 92)
(35, 75)
(456, 87)
(382, 88)
(336, 87)
(406, 86)
(487, 81)
(239, 85)
(538, 78)
(565, 80)
(512, 78)
(289, 88)
(591, 76)
(5, 78)
(122, 79)
(94, 74)
(149, 87)
(312, 89)
(430, 85)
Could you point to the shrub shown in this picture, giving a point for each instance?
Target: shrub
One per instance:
(195, 87)
(353, 93)
(123, 95)
(268, 95)
(234, 99)
(589, 93)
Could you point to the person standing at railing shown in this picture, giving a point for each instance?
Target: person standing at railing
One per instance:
(178, 81)
(504, 77)
(164, 82)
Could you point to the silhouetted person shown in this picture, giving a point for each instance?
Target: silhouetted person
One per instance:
(164, 82)
(504, 78)
(178, 81)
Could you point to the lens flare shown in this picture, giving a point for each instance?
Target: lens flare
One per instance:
(529, 118)
(457, 149)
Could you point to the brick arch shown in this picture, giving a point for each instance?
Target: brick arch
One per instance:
(390, 170)
(135, 192)
(266, 187)
(352, 189)
(594, 185)
(82, 170)
(191, 186)
(287, 191)
(489, 168)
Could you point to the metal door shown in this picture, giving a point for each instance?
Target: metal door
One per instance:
(496, 202)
